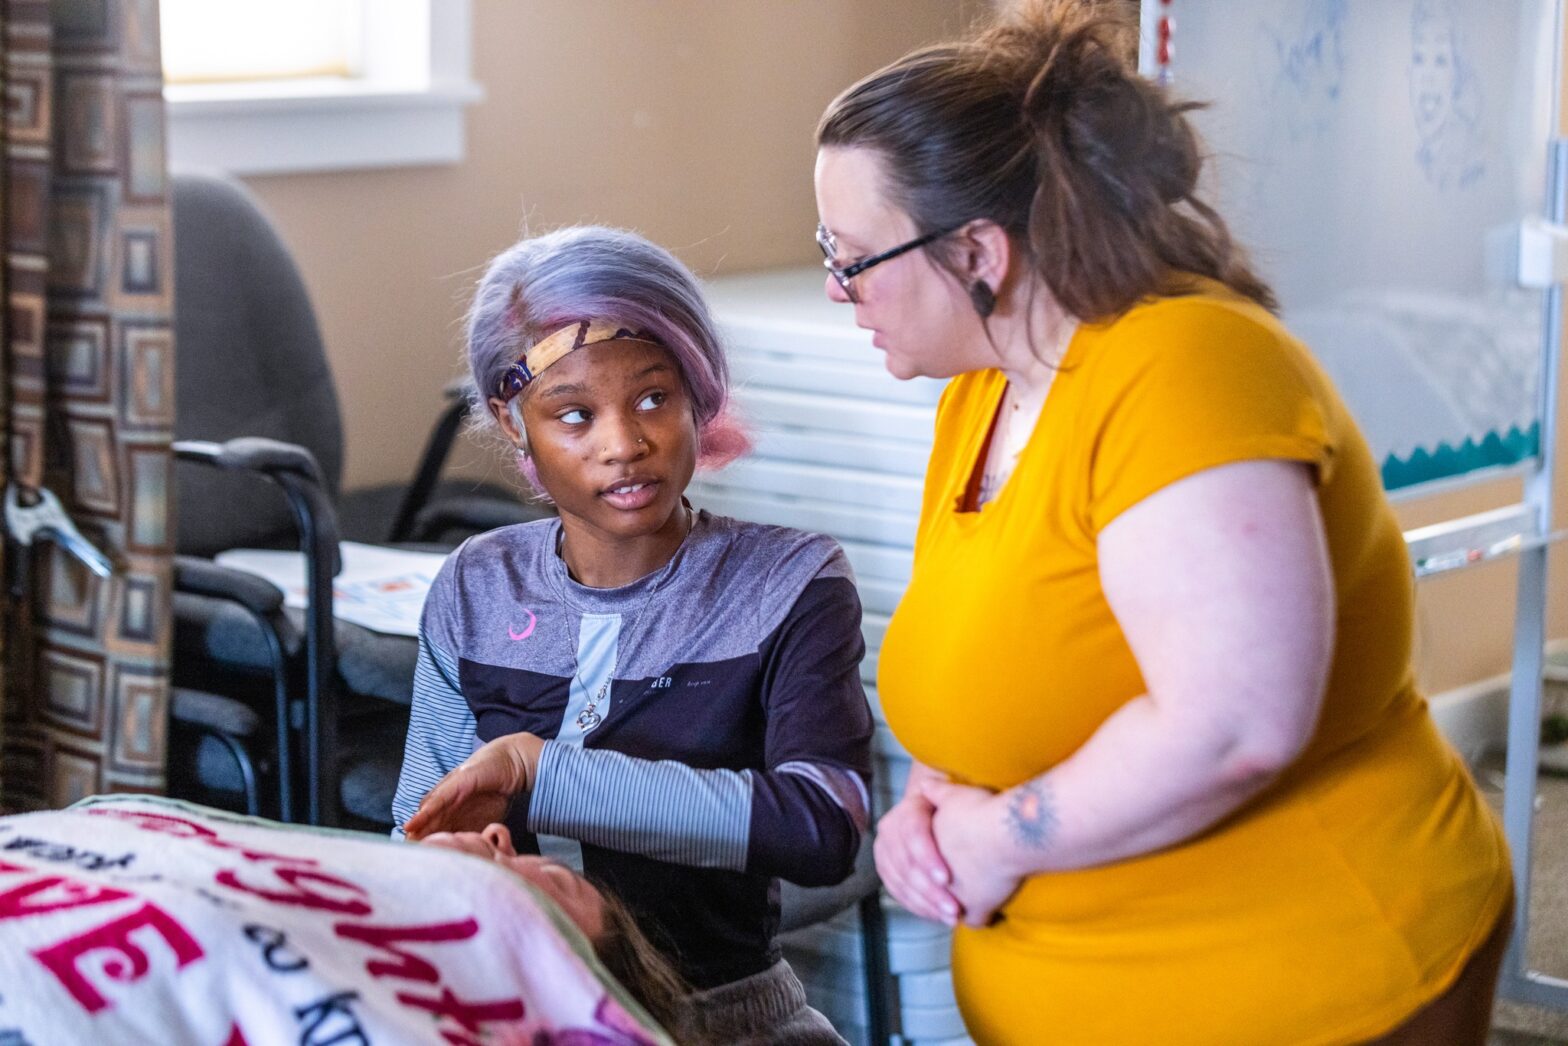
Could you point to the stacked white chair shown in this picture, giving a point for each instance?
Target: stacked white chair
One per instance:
(841, 449)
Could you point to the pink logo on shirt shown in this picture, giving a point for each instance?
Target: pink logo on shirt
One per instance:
(525, 633)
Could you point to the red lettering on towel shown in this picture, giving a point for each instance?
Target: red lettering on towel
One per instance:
(126, 960)
(471, 1015)
(409, 967)
(180, 828)
(58, 893)
(295, 882)
(300, 896)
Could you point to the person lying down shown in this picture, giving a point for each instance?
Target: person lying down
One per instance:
(134, 919)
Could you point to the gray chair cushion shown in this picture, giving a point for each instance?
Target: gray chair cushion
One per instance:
(213, 712)
(375, 665)
(216, 631)
(368, 786)
(220, 633)
(214, 766)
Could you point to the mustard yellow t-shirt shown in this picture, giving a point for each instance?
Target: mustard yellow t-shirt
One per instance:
(1327, 909)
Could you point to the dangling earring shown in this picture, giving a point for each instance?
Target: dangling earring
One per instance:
(984, 298)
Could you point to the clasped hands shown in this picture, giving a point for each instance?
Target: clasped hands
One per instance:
(479, 792)
(939, 851)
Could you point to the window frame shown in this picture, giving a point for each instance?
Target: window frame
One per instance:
(294, 126)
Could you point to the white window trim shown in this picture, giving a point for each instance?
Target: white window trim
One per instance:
(330, 125)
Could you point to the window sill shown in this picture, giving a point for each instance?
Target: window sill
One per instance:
(322, 125)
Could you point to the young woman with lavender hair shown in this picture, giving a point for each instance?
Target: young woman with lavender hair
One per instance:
(662, 698)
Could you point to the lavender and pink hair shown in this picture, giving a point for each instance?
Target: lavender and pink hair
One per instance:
(541, 284)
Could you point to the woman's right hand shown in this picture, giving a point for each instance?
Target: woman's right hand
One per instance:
(908, 861)
(480, 791)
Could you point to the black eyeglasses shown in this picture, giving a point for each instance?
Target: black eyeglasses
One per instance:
(829, 247)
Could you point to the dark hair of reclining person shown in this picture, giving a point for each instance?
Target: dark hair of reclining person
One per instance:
(620, 944)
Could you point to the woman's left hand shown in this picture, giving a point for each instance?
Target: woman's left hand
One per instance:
(480, 791)
(965, 824)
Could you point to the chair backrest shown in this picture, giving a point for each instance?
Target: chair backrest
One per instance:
(250, 362)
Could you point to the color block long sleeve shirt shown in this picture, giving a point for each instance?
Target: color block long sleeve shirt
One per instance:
(706, 728)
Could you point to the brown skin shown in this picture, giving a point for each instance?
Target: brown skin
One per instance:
(479, 791)
(601, 419)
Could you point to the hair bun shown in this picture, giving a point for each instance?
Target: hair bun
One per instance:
(1060, 53)
(1048, 99)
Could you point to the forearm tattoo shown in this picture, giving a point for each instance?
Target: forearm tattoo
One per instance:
(1031, 815)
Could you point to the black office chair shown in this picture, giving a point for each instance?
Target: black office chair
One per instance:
(259, 446)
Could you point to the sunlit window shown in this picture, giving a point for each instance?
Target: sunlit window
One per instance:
(272, 86)
(225, 41)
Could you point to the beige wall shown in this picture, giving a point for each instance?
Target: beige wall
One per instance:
(689, 120)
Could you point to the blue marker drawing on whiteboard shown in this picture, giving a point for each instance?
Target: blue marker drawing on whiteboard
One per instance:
(1445, 98)
(1310, 68)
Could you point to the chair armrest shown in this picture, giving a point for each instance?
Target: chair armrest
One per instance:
(203, 577)
(294, 468)
(252, 453)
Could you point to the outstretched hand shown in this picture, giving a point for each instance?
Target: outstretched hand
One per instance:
(480, 791)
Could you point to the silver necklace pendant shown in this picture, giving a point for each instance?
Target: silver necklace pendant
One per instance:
(589, 717)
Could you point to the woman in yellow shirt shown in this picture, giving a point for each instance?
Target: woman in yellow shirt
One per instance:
(1173, 775)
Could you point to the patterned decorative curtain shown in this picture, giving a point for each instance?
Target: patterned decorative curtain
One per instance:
(87, 350)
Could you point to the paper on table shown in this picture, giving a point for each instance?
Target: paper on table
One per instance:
(382, 589)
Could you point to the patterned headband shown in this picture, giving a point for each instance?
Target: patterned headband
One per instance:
(549, 350)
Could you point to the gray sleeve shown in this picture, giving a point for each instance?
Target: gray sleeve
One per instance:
(440, 731)
(661, 809)
(672, 812)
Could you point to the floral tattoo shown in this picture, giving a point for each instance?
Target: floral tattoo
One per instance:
(1031, 815)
